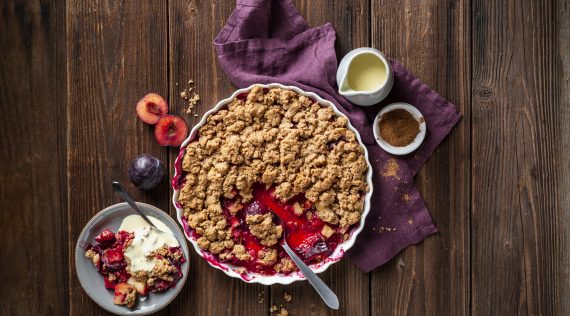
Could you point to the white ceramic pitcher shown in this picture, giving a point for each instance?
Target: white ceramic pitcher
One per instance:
(363, 97)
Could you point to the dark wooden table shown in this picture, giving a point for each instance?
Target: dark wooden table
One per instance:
(498, 187)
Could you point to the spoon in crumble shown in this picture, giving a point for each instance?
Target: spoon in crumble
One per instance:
(324, 291)
(118, 188)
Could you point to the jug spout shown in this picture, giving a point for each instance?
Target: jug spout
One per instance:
(344, 89)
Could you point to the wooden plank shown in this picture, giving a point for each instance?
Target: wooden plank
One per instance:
(351, 22)
(432, 39)
(117, 52)
(193, 25)
(520, 167)
(33, 277)
(562, 241)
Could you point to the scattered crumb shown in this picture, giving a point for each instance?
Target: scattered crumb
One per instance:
(410, 221)
(406, 197)
(391, 169)
(382, 229)
(287, 297)
(190, 100)
(283, 312)
(260, 297)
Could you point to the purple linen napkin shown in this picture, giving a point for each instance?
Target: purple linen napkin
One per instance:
(268, 41)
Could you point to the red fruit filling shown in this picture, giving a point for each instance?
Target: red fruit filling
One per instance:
(107, 237)
(151, 107)
(304, 234)
(170, 130)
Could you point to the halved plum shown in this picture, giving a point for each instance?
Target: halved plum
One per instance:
(170, 130)
(151, 107)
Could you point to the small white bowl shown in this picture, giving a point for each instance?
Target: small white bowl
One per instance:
(415, 143)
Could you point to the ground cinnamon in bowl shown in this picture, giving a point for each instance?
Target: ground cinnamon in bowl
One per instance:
(398, 127)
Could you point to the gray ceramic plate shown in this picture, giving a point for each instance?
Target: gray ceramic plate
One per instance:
(92, 281)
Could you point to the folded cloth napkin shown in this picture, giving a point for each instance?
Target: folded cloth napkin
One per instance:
(267, 41)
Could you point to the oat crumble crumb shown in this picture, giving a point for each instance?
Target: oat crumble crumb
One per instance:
(190, 100)
(283, 312)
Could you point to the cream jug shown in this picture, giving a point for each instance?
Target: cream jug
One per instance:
(364, 76)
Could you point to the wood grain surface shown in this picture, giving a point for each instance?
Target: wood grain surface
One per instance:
(432, 39)
(33, 190)
(116, 52)
(498, 187)
(519, 233)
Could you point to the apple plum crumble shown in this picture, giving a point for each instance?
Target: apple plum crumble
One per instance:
(271, 165)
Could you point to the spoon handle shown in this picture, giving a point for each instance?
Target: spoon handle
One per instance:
(118, 188)
(324, 291)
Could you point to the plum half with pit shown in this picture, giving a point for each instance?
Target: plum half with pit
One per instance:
(146, 171)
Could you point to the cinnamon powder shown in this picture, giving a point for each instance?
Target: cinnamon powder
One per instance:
(398, 127)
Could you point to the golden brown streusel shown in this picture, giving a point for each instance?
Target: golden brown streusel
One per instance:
(262, 227)
(267, 256)
(285, 265)
(163, 269)
(93, 256)
(283, 140)
(130, 297)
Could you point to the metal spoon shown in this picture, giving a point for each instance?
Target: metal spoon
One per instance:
(118, 188)
(324, 291)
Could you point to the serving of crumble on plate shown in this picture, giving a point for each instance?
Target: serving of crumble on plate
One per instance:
(105, 269)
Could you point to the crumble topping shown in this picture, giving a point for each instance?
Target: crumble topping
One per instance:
(130, 297)
(262, 227)
(267, 256)
(280, 139)
(93, 256)
(240, 253)
(285, 265)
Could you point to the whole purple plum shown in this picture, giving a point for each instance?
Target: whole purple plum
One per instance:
(146, 171)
